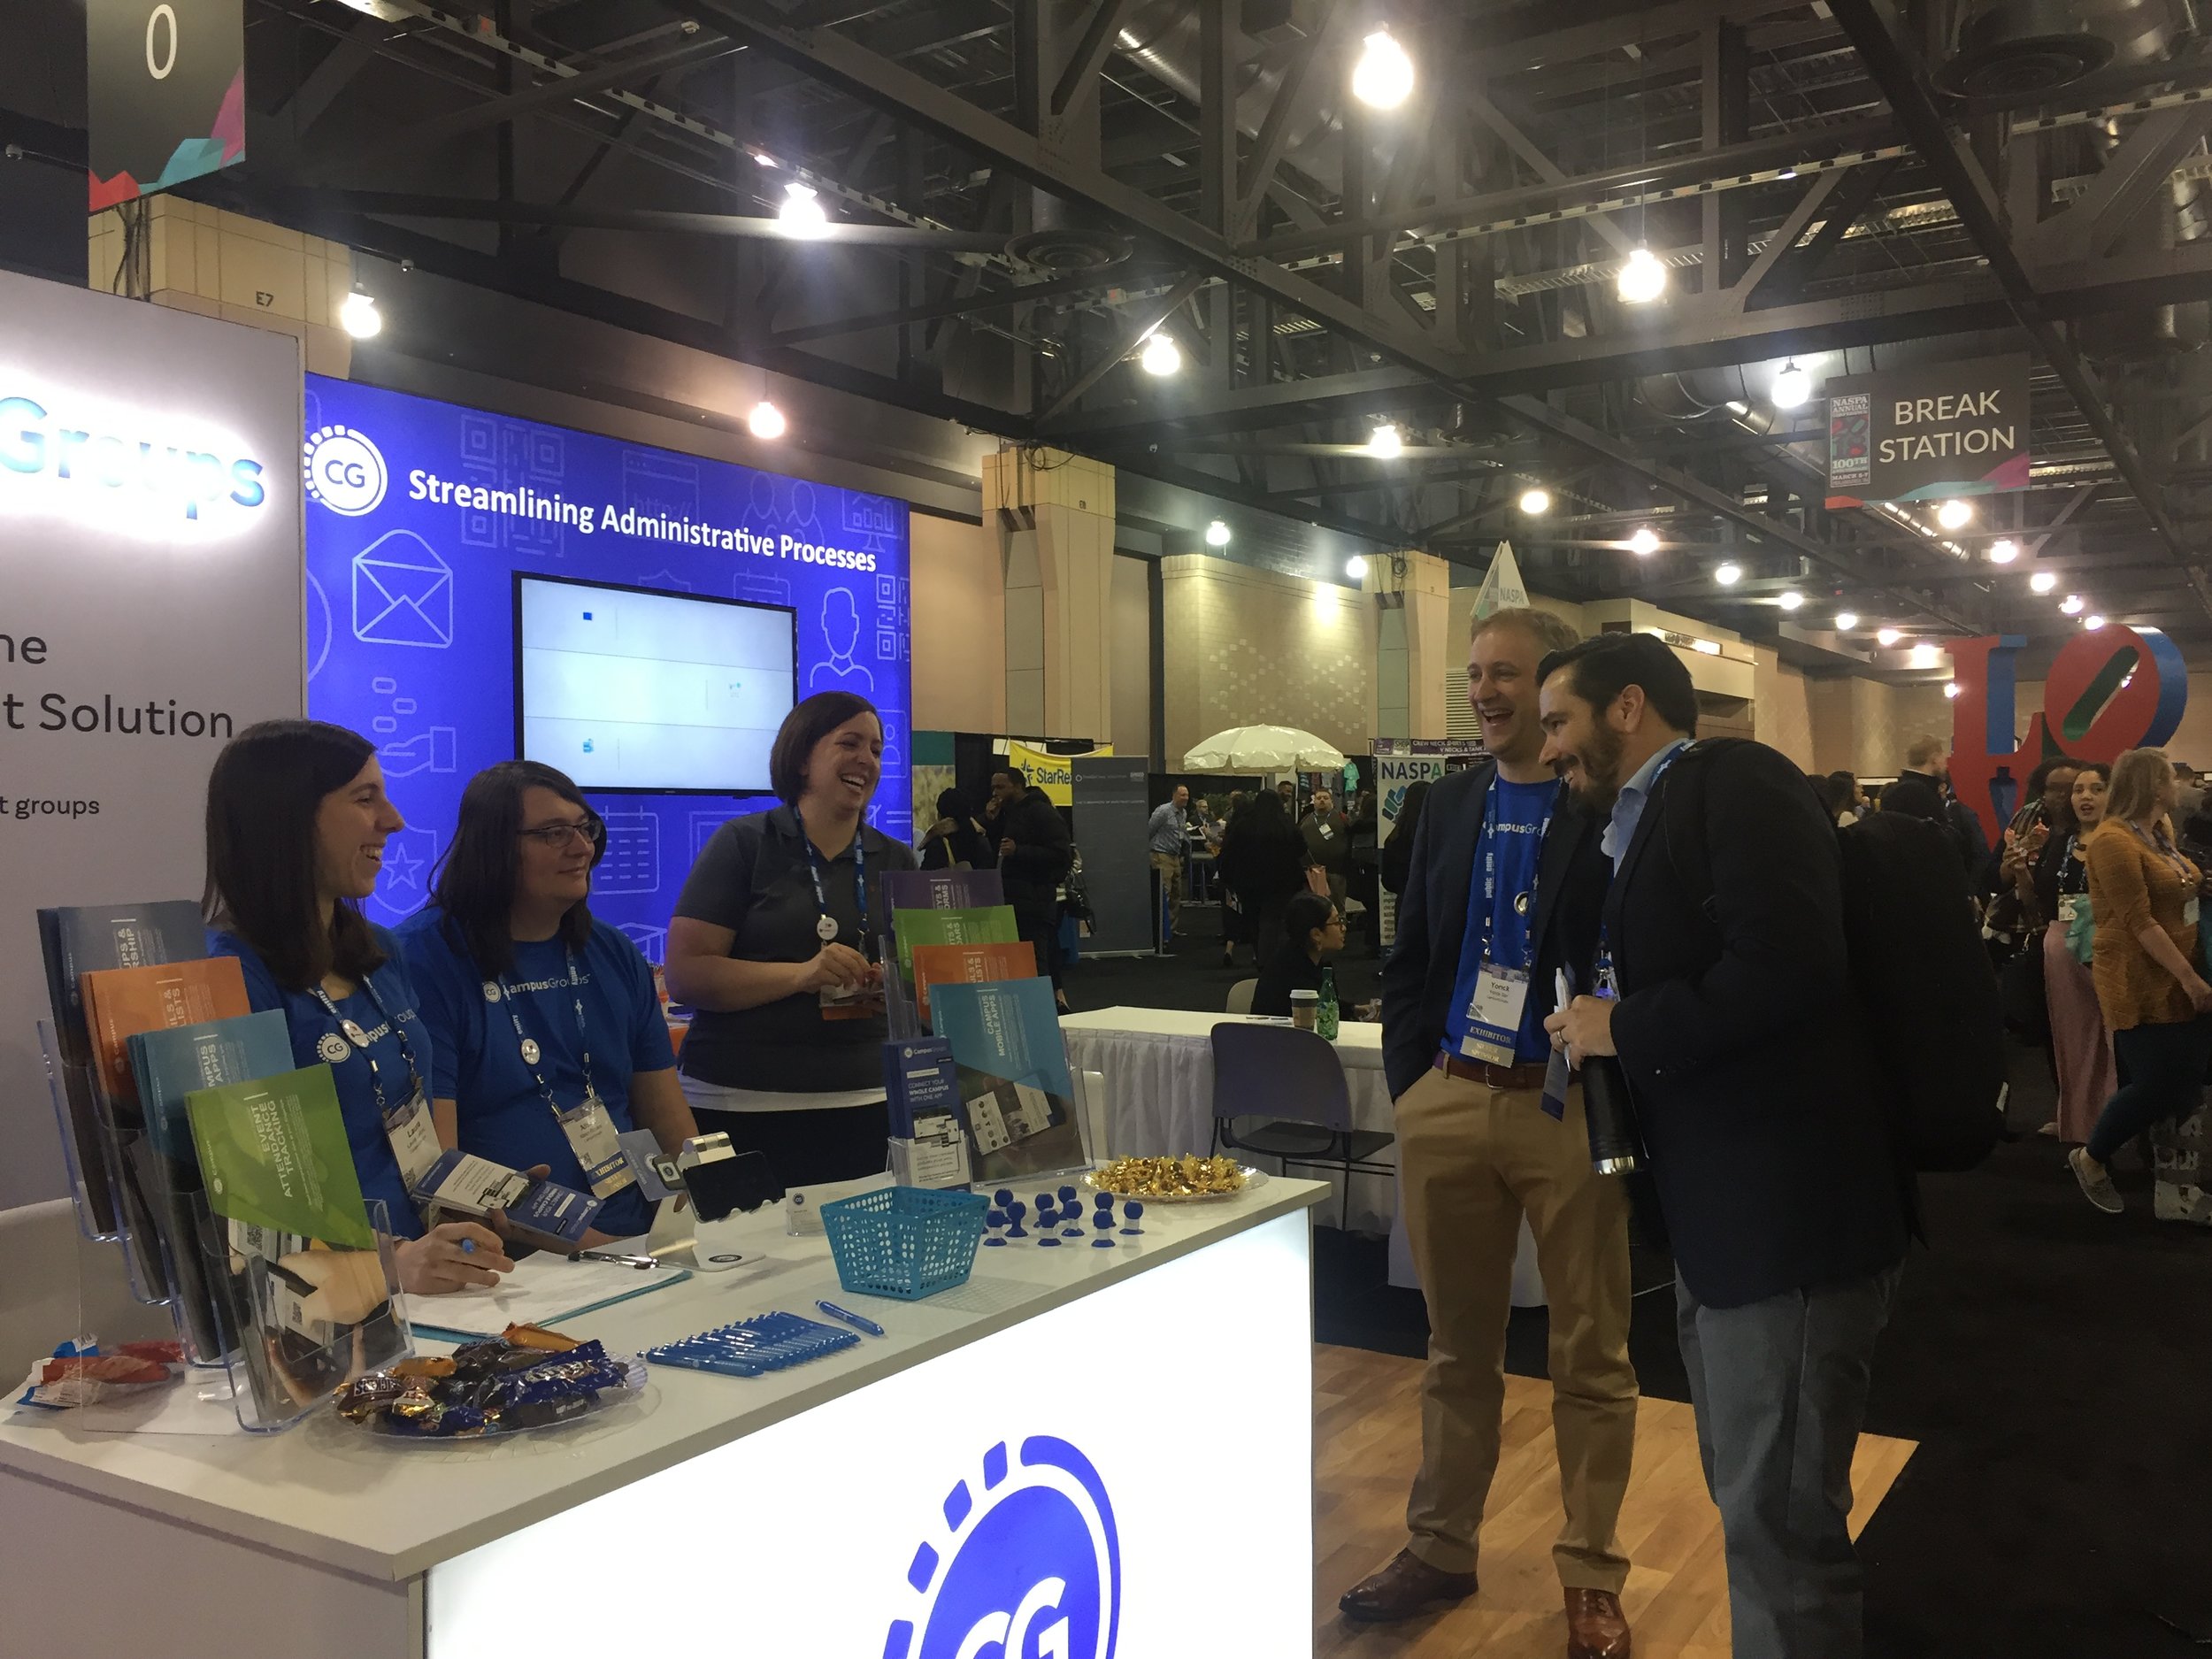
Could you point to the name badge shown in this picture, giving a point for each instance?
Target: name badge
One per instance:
(598, 1148)
(2070, 907)
(414, 1138)
(1494, 1015)
(2189, 911)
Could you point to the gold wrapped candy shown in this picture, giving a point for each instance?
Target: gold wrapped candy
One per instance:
(1185, 1177)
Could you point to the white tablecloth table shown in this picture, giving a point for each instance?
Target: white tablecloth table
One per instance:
(1158, 1063)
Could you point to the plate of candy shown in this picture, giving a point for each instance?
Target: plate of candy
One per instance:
(1188, 1180)
(527, 1380)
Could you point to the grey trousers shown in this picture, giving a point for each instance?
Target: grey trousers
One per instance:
(1780, 1387)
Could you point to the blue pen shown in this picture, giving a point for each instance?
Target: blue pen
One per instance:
(852, 1319)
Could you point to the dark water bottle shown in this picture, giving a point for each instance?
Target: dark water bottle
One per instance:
(1616, 1144)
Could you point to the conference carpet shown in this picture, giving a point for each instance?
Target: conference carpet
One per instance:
(2054, 1363)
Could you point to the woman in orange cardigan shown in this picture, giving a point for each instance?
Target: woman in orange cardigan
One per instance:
(2144, 895)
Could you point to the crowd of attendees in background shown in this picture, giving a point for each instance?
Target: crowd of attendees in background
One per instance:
(2089, 906)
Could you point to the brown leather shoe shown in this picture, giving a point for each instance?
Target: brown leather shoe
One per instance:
(1595, 1627)
(1406, 1586)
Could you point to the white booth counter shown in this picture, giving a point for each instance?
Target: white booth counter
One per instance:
(1079, 1453)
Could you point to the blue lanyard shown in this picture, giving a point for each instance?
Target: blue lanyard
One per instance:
(860, 875)
(1486, 855)
(359, 1040)
(530, 1050)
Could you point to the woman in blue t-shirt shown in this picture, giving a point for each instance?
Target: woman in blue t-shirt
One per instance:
(548, 1033)
(297, 822)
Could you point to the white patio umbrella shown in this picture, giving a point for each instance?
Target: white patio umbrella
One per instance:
(1263, 749)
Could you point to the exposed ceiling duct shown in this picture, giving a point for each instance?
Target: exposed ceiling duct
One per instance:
(2017, 51)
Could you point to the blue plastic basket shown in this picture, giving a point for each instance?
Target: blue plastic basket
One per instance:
(906, 1243)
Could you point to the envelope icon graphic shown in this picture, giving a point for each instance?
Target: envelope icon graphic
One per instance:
(402, 593)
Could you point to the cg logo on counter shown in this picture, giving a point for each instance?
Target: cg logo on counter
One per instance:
(1032, 1570)
(345, 470)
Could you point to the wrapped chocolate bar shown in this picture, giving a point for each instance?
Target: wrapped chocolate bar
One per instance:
(531, 1378)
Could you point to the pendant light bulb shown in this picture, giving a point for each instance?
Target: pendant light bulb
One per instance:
(801, 214)
(1846, 620)
(1385, 441)
(1383, 78)
(1161, 355)
(1535, 500)
(1886, 637)
(2003, 551)
(1642, 278)
(765, 421)
(1644, 542)
(2042, 582)
(1217, 535)
(1792, 387)
(357, 315)
(1728, 575)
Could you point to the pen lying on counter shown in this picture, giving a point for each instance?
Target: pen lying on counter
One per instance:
(613, 1256)
(852, 1319)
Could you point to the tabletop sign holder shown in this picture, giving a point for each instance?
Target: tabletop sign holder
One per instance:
(708, 1181)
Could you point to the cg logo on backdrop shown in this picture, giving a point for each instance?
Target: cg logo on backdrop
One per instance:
(1032, 1569)
(2114, 689)
(345, 470)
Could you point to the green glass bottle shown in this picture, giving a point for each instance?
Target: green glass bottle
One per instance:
(1325, 1022)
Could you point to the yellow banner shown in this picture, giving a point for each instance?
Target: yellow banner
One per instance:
(1052, 773)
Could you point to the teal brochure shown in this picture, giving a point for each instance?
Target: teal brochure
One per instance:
(1015, 1088)
(171, 1063)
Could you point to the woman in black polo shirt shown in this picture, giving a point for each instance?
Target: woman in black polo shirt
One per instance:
(774, 942)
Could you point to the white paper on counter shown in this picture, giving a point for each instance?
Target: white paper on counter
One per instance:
(543, 1289)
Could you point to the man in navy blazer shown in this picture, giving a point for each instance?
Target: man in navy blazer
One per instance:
(1504, 888)
(1761, 1113)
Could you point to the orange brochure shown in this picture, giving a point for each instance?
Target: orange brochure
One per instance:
(970, 964)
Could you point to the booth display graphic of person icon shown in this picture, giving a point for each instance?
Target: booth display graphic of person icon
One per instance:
(840, 632)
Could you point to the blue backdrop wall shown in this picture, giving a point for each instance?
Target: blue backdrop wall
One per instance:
(418, 513)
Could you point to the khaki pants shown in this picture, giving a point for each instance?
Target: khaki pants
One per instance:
(1170, 868)
(1472, 1162)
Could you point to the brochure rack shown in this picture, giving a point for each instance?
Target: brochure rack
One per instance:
(309, 1319)
(123, 1149)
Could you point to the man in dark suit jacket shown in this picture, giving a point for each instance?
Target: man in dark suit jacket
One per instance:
(1504, 888)
(1761, 1114)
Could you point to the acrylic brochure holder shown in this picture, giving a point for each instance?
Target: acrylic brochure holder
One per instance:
(309, 1319)
(122, 1146)
(71, 1088)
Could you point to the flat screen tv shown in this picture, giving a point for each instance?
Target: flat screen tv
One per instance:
(636, 690)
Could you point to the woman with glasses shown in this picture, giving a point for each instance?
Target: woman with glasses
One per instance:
(297, 822)
(1314, 932)
(774, 943)
(548, 1033)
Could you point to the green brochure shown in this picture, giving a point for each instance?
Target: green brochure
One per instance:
(274, 1153)
(990, 925)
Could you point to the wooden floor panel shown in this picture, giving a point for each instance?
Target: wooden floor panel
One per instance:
(1367, 1440)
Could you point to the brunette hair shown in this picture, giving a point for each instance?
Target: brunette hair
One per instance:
(1306, 913)
(262, 796)
(475, 890)
(807, 724)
